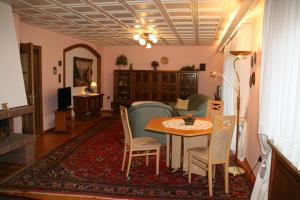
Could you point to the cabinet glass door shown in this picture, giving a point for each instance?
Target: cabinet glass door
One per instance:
(168, 87)
(188, 84)
(142, 86)
(124, 85)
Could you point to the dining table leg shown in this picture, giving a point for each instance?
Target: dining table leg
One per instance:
(182, 153)
(170, 151)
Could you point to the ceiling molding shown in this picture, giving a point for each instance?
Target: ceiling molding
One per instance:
(245, 7)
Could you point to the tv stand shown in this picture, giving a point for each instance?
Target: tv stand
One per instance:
(61, 120)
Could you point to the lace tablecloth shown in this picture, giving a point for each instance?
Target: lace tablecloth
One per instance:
(179, 124)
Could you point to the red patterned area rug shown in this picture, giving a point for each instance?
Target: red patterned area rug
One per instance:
(90, 164)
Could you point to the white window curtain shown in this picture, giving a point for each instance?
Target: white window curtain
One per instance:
(280, 85)
(229, 94)
(228, 91)
(244, 72)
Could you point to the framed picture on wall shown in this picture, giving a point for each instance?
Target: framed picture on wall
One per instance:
(82, 71)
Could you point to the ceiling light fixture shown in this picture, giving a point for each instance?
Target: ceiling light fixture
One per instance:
(147, 39)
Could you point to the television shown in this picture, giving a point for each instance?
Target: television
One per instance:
(64, 98)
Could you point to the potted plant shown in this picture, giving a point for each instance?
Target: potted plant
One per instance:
(154, 64)
(121, 61)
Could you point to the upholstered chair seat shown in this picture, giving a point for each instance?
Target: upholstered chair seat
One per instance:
(144, 143)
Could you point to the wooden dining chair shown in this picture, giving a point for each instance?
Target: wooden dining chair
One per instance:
(217, 151)
(140, 146)
(214, 108)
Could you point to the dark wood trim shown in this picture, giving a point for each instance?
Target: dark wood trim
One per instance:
(245, 164)
(39, 48)
(35, 62)
(49, 130)
(93, 51)
(107, 112)
(158, 71)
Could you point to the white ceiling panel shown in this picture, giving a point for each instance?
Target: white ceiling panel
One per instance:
(113, 22)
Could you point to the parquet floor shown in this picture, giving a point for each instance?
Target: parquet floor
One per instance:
(46, 142)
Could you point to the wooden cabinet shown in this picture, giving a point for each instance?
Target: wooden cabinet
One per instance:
(284, 177)
(84, 105)
(146, 85)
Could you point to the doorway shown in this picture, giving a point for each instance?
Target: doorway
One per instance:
(31, 61)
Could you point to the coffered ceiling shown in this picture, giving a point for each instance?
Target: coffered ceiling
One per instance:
(113, 22)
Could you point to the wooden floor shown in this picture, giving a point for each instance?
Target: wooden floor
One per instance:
(47, 142)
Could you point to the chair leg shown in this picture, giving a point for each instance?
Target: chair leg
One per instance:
(189, 167)
(147, 159)
(124, 157)
(157, 161)
(226, 177)
(210, 191)
(214, 171)
(129, 162)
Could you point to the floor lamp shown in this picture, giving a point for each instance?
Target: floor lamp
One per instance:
(235, 170)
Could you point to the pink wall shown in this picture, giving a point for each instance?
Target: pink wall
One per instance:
(52, 44)
(52, 51)
(178, 56)
(253, 147)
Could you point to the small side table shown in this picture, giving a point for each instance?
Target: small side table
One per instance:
(61, 120)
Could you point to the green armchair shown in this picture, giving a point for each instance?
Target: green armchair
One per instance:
(140, 114)
(197, 106)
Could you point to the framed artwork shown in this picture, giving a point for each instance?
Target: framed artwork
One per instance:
(82, 71)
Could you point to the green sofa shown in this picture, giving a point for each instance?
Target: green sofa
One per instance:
(140, 114)
(197, 106)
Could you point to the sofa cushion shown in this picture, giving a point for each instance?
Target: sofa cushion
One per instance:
(197, 101)
(182, 104)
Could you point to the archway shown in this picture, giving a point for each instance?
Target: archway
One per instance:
(94, 52)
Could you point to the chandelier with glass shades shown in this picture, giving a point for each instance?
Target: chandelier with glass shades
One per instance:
(147, 39)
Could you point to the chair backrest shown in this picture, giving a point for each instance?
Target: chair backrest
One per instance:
(219, 147)
(214, 108)
(126, 127)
